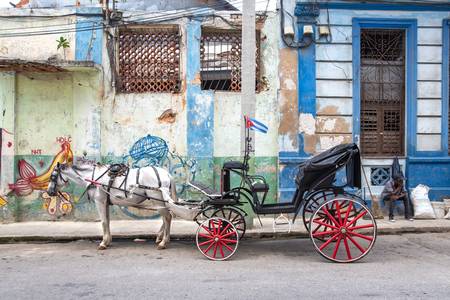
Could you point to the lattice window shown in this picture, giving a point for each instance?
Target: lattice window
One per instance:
(382, 92)
(379, 175)
(149, 59)
(220, 56)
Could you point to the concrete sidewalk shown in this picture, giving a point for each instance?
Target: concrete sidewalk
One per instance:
(146, 229)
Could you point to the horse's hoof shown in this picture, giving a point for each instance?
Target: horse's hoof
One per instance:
(161, 247)
(101, 247)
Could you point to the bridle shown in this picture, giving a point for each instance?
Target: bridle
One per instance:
(56, 174)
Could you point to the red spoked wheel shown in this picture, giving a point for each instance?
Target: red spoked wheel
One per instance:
(350, 234)
(217, 238)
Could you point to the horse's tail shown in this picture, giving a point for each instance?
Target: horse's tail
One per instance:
(173, 190)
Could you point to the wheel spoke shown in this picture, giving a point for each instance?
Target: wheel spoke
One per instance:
(317, 228)
(207, 242)
(324, 224)
(205, 236)
(228, 234)
(347, 248)
(225, 229)
(330, 216)
(356, 244)
(360, 235)
(329, 241)
(226, 246)
(207, 249)
(325, 233)
(337, 246)
(362, 226)
(350, 206)
(219, 225)
(357, 217)
(221, 249)
(215, 249)
(204, 227)
(338, 212)
(229, 241)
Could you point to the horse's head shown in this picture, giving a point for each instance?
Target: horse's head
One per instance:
(57, 179)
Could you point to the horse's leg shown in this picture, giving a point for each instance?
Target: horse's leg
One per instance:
(103, 211)
(166, 217)
(159, 235)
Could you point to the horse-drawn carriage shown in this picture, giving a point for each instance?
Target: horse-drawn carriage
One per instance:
(339, 223)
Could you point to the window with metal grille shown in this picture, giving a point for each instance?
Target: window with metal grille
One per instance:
(382, 92)
(220, 55)
(149, 59)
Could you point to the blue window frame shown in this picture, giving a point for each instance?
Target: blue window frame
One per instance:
(410, 26)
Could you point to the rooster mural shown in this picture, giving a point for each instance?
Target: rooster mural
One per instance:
(29, 181)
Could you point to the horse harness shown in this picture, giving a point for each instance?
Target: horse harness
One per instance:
(117, 170)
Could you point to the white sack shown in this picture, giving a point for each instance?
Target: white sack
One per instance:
(421, 202)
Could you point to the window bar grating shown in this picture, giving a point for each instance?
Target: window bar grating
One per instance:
(220, 55)
(149, 59)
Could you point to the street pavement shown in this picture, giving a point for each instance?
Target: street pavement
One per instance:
(408, 266)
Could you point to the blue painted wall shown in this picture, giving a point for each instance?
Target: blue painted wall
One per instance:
(89, 35)
(200, 107)
(306, 105)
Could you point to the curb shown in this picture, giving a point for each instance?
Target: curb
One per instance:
(190, 237)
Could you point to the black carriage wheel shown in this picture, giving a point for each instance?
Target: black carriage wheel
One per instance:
(312, 204)
(235, 216)
(206, 213)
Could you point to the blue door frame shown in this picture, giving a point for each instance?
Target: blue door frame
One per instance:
(410, 25)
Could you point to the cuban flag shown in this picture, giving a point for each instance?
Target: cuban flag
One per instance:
(255, 125)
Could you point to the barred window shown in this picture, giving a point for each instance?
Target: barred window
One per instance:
(220, 55)
(149, 59)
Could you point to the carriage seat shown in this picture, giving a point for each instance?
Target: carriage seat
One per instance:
(233, 164)
(260, 187)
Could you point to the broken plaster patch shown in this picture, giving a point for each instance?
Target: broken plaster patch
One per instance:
(327, 142)
(307, 124)
(329, 125)
(290, 84)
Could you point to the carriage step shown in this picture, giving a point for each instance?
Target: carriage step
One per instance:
(212, 193)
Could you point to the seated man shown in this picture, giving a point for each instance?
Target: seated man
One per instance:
(394, 190)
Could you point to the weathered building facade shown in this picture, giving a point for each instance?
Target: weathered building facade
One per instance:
(164, 88)
(380, 79)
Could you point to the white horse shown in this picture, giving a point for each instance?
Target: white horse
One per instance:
(147, 188)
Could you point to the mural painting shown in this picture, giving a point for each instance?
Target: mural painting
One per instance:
(154, 151)
(3, 201)
(30, 181)
(6, 148)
